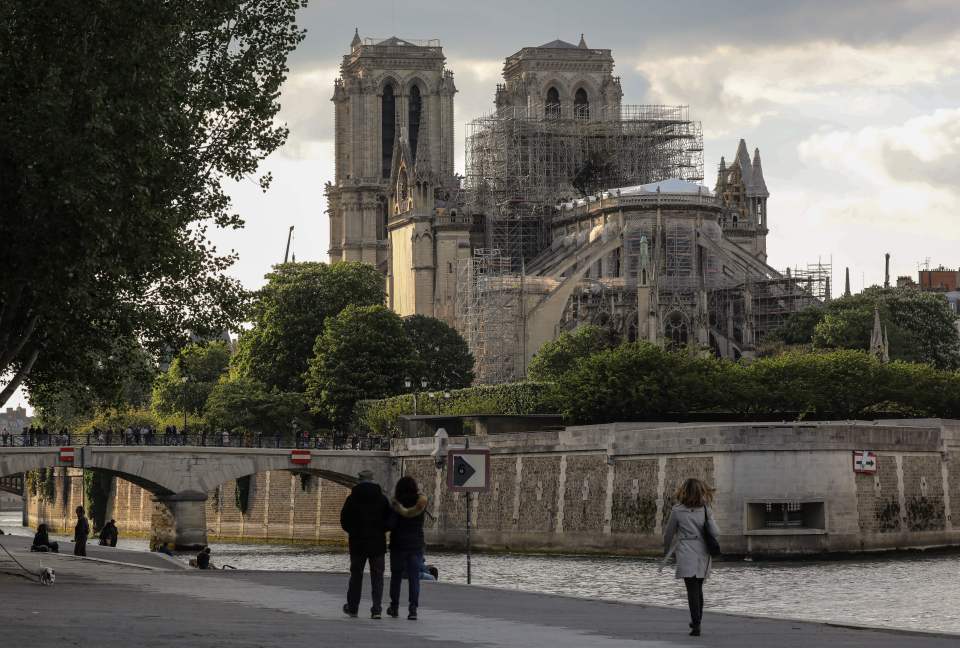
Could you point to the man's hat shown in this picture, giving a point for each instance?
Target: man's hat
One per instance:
(365, 475)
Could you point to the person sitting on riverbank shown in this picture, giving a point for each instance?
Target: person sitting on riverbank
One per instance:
(203, 559)
(41, 541)
(109, 534)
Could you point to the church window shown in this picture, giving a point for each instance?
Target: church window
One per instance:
(581, 105)
(552, 108)
(403, 186)
(413, 119)
(676, 331)
(388, 128)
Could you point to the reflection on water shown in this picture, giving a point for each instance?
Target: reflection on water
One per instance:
(917, 592)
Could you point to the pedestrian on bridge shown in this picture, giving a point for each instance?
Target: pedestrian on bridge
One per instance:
(364, 517)
(684, 539)
(406, 544)
(80, 533)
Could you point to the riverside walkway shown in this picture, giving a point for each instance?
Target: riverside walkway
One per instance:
(147, 600)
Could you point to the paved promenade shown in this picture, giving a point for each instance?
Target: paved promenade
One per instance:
(159, 604)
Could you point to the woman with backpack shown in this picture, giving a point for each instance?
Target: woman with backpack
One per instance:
(406, 544)
(688, 535)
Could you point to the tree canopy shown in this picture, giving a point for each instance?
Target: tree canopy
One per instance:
(191, 378)
(242, 404)
(440, 355)
(120, 122)
(920, 326)
(289, 313)
(363, 353)
(559, 355)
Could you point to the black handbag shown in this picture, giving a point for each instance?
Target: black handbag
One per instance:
(713, 545)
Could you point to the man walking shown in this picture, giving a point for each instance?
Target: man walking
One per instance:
(364, 518)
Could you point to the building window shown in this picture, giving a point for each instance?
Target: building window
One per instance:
(552, 108)
(413, 120)
(581, 105)
(388, 128)
(677, 333)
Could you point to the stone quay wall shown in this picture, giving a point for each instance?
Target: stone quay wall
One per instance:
(610, 488)
(282, 507)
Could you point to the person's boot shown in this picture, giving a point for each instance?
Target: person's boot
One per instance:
(393, 611)
(346, 610)
(695, 632)
(375, 614)
(412, 616)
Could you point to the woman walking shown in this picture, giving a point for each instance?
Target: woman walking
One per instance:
(683, 538)
(406, 544)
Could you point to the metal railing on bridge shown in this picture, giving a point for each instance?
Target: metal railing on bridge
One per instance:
(330, 441)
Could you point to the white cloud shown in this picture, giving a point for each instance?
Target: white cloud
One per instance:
(891, 189)
(734, 86)
(307, 110)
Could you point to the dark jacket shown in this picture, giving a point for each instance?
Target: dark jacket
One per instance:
(109, 535)
(406, 524)
(41, 539)
(364, 518)
(82, 530)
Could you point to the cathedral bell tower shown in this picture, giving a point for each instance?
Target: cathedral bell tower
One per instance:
(386, 86)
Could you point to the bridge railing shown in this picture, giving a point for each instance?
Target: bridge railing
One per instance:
(211, 440)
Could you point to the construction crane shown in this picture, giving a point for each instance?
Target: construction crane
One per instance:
(286, 255)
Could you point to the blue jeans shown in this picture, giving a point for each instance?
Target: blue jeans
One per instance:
(405, 563)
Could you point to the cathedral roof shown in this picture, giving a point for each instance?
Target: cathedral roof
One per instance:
(393, 41)
(558, 44)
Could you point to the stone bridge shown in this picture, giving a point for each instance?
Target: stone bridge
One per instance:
(180, 477)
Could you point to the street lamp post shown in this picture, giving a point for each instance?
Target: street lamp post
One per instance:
(183, 381)
(407, 383)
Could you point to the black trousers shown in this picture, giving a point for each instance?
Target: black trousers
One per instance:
(355, 589)
(695, 599)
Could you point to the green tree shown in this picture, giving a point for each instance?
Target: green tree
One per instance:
(920, 325)
(639, 381)
(120, 123)
(119, 377)
(191, 378)
(559, 355)
(289, 313)
(441, 355)
(242, 404)
(363, 353)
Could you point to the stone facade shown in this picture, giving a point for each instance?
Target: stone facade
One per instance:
(282, 507)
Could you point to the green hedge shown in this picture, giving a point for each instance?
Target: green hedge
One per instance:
(511, 399)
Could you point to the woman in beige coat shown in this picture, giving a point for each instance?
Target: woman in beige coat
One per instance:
(683, 538)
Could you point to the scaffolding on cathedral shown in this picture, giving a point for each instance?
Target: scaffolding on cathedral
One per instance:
(520, 165)
(489, 314)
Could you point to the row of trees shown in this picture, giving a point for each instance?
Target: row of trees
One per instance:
(595, 380)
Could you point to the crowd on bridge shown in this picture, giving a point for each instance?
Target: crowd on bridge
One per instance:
(171, 435)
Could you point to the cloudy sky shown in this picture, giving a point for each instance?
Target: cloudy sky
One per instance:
(854, 104)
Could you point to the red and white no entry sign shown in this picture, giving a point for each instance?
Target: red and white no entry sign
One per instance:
(300, 457)
(66, 455)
